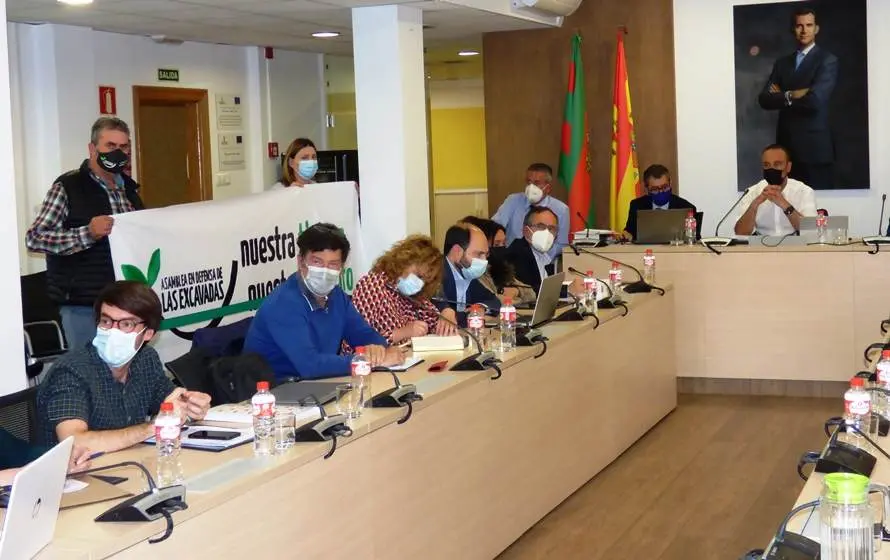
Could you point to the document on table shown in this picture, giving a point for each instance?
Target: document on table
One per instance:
(409, 363)
(245, 435)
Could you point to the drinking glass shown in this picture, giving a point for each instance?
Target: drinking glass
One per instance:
(349, 402)
(284, 431)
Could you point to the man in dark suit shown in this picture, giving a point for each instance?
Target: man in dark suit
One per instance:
(657, 180)
(529, 254)
(466, 259)
(800, 88)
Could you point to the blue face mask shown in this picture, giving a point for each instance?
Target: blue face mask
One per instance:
(661, 198)
(116, 347)
(307, 168)
(476, 269)
(410, 285)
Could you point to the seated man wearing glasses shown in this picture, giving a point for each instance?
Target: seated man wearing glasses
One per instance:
(657, 180)
(301, 327)
(106, 393)
(530, 254)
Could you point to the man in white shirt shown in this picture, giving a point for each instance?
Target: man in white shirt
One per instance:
(775, 205)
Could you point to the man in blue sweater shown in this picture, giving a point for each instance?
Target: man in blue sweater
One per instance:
(299, 329)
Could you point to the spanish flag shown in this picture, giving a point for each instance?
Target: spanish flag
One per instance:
(574, 153)
(625, 176)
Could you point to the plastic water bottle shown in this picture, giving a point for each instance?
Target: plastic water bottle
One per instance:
(263, 403)
(167, 430)
(822, 227)
(508, 325)
(361, 379)
(476, 321)
(691, 228)
(881, 402)
(615, 278)
(591, 291)
(649, 267)
(857, 412)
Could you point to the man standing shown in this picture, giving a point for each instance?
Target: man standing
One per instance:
(657, 179)
(775, 205)
(74, 222)
(539, 184)
(800, 88)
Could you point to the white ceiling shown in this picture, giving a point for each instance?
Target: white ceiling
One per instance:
(277, 23)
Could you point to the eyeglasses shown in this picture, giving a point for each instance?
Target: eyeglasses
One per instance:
(655, 190)
(542, 227)
(125, 325)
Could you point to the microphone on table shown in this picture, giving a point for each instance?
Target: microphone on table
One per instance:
(610, 301)
(599, 242)
(878, 240)
(790, 545)
(480, 360)
(724, 241)
(397, 396)
(324, 428)
(638, 287)
(148, 506)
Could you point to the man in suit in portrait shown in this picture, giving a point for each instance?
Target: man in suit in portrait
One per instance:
(659, 196)
(800, 88)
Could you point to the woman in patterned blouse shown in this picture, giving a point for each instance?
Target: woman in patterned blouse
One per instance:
(394, 297)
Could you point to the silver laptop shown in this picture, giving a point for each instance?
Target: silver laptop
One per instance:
(808, 223)
(547, 302)
(660, 226)
(305, 393)
(34, 503)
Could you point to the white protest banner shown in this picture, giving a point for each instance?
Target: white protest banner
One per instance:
(213, 262)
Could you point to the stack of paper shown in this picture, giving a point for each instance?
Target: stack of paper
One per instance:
(435, 343)
(241, 414)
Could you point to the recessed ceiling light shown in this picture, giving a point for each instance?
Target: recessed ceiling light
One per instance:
(75, 2)
(325, 34)
(468, 53)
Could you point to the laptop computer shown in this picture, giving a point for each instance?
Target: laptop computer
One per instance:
(546, 304)
(809, 230)
(34, 503)
(658, 227)
(304, 393)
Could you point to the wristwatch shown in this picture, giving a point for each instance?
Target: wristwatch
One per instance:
(790, 210)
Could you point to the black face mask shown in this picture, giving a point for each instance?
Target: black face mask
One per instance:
(114, 161)
(773, 176)
(497, 253)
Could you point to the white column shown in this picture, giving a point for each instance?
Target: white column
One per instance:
(391, 119)
(12, 353)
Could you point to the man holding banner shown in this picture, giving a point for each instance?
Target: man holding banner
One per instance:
(300, 328)
(74, 222)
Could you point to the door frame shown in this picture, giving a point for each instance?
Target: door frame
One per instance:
(157, 95)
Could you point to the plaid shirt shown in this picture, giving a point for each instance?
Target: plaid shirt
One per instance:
(48, 233)
(80, 386)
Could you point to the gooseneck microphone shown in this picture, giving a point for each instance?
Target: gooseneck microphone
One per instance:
(710, 242)
(148, 506)
(728, 212)
(638, 287)
(611, 301)
(881, 219)
(479, 361)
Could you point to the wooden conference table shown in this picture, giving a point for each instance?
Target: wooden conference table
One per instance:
(742, 314)
(479, 463)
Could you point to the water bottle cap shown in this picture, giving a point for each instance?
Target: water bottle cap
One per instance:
(615, 264)
(846, 488)
(690, 214)
(590, 273)
(857, 382)
(359, 349)
(262, 385)
(648, 251)
(508, 301)
(885, 354)
(166, 407)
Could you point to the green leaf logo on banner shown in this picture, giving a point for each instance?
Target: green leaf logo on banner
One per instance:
(133, 273)
(154, 267)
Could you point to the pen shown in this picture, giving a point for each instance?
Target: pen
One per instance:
(95, 455)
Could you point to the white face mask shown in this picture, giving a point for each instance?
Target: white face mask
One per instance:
(533, 193)
(321, 281)
(116, 347)
(542, 240)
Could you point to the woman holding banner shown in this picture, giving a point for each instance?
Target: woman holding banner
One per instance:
(299, 166)
(394, 297)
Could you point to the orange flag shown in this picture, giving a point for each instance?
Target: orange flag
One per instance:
(624, 184)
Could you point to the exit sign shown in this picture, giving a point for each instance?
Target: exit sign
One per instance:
(168, 75)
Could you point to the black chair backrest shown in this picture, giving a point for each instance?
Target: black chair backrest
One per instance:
(36, 305)
(18, 414)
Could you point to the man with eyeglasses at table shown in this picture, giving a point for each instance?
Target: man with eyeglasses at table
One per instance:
(660, 196)
(106, 393)
(529, 254)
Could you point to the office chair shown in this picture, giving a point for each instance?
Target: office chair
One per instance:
(44, 338)
(18, 414)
